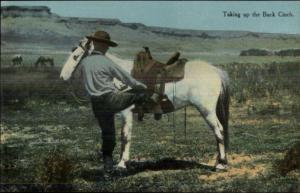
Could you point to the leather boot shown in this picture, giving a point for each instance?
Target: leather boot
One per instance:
(108, 164)
(157, 109)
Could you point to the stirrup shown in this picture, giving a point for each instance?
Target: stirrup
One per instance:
(155, 98)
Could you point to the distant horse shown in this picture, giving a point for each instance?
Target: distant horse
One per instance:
(43, 61)
(17, 60)
(206, 87)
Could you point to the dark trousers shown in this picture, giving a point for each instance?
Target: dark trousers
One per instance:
(105, 107)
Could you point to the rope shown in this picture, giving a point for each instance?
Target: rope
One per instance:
(174, 125)
(173, 113)
(185, 123)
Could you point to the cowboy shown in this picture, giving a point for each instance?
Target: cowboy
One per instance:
(98, 74)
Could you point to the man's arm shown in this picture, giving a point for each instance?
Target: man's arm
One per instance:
(125, 77)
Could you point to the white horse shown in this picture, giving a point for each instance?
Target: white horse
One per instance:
(204, 86)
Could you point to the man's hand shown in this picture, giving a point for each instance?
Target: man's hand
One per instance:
(119, 85)
(140, 86)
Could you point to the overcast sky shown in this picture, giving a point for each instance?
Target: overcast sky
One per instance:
(184, 14)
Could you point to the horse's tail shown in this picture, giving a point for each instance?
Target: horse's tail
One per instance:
(223, 108)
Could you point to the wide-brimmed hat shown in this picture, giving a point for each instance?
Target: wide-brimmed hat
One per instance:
(102, 36)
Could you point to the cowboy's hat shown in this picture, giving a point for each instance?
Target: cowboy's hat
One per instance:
(102, 36)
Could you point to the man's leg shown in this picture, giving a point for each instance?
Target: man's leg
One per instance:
(121, 101)
(107, 124)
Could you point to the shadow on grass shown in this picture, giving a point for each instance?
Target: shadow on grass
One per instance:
(135, 167)
(164, 164)
(93, 174)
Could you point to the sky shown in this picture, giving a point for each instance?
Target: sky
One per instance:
(202, 15)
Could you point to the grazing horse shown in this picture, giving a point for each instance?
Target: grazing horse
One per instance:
(204, 86)
(42, 61)
(17, 60)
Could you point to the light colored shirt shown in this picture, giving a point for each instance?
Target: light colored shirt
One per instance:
(98, 73)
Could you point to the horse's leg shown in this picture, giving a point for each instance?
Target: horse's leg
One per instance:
(127, 119)
(214, 123)
(208, 110)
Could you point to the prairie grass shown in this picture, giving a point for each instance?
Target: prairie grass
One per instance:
(49, 142)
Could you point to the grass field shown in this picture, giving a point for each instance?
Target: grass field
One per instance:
(162, 159)
(48, 139)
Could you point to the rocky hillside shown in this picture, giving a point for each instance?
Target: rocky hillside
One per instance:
(39, 25)
(25, 11)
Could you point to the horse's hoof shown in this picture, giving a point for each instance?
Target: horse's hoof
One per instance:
(121, 169)
(121, 165)
(221, 167)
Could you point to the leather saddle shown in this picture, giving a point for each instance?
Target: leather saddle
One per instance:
(155, 75)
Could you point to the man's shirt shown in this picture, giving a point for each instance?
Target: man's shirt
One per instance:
(98, 73)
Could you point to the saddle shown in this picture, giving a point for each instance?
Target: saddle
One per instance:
(155, 75)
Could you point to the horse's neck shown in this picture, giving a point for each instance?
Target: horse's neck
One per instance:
(125, 64)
